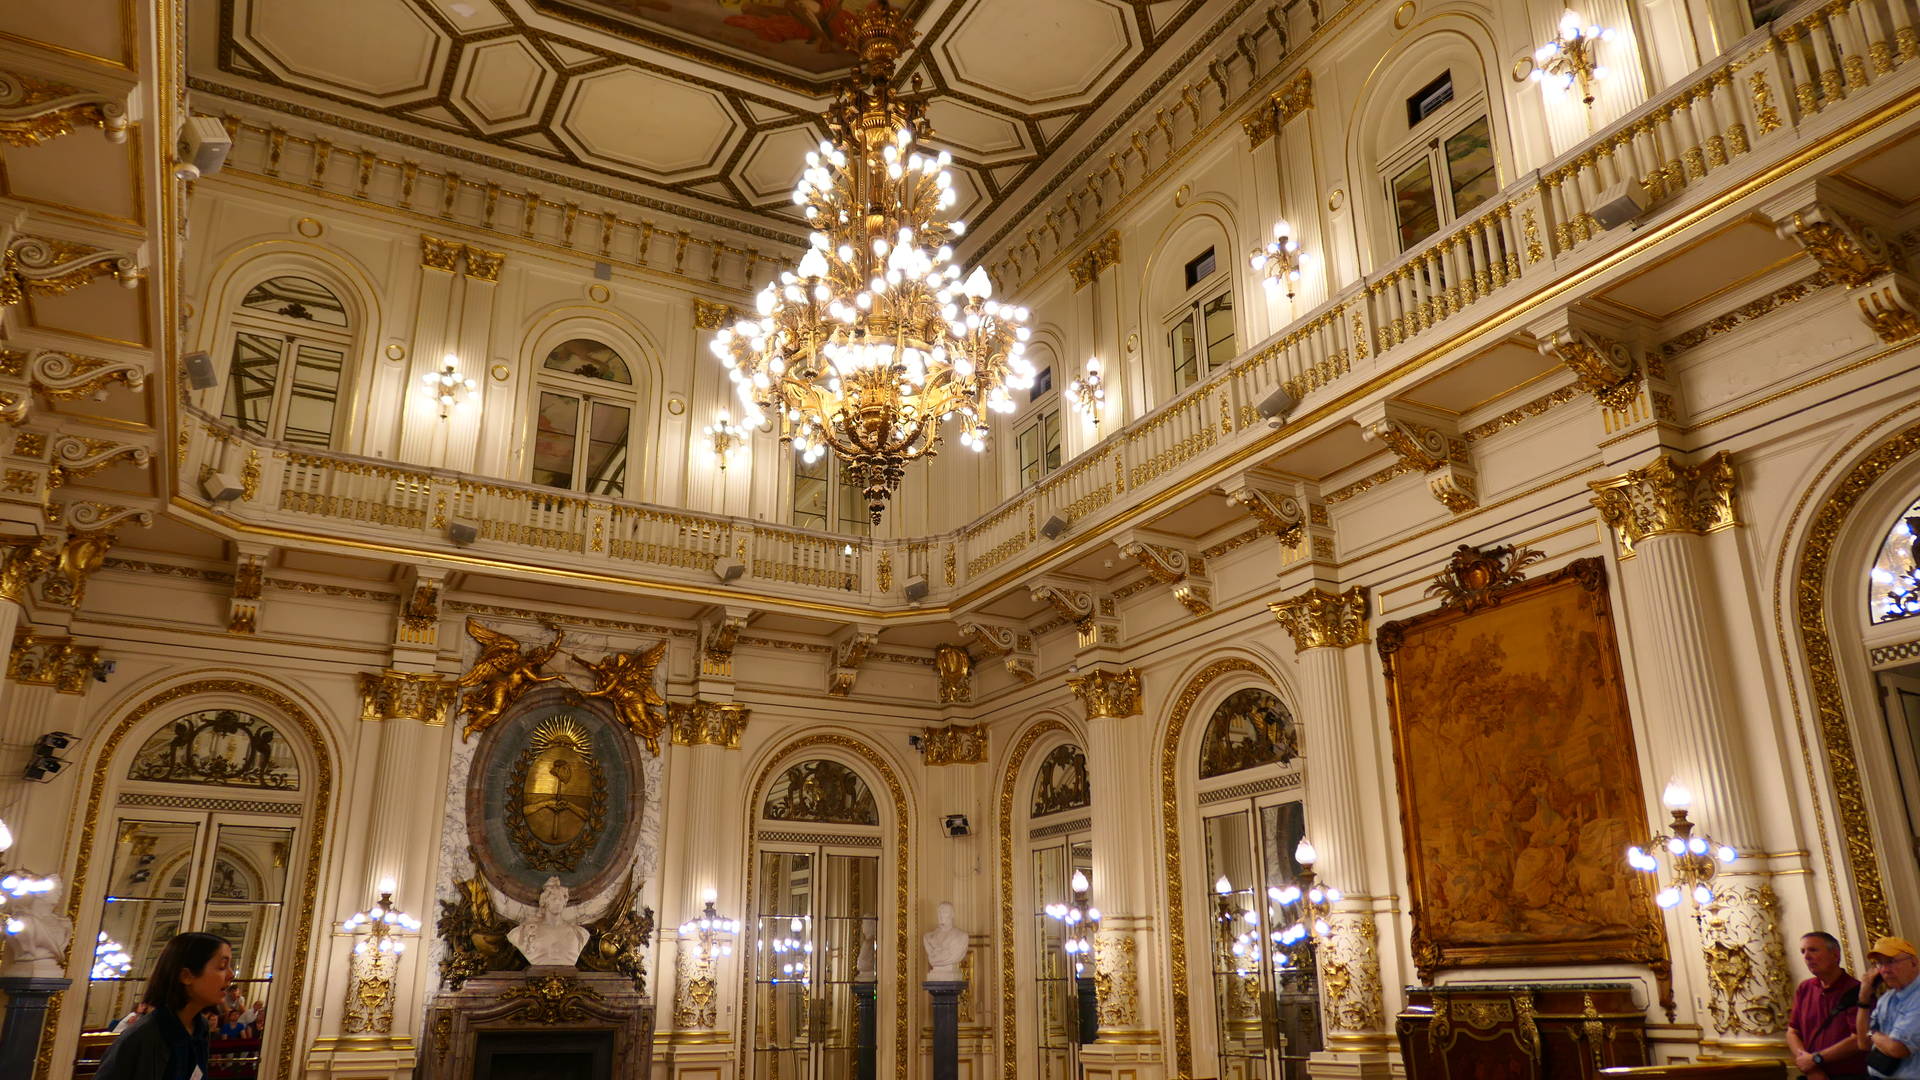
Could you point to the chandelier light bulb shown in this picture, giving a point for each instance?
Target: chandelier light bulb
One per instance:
(1222, 886)
(386, 886)
(1676, 796)
(6, 836)
(1080, 882)
(1304, 854)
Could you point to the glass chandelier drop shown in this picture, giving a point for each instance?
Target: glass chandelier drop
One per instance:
(877, 335)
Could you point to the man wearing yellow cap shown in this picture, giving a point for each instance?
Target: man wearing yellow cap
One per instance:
(1888, 1016)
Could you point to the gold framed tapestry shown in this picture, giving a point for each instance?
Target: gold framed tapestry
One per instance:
(1519, 786)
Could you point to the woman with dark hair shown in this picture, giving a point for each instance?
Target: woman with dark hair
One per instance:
(170, 1041)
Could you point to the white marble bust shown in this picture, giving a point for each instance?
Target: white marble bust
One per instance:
(40, 946)
(946, 946)
(553, 937)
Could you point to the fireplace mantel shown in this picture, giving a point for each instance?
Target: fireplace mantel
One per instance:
(557, 1001)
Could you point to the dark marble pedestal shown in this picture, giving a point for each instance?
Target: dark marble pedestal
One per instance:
(946, 1028)
(26, 1015)
(866, 1041)
(595, 1017)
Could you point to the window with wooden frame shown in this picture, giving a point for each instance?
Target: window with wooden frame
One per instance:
(1446, 169)
(585, 409)
(291, 339)
(1200, 332)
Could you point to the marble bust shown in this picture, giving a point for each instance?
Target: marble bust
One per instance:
(42, 939)
(552, 937)
(946, 946)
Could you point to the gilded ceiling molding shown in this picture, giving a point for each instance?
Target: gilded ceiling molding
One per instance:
(75, 457)
(1260, 123)
(1605, 368)
(52, 660)
(955, 669)
(1280, 514)
(1108, 694)
(1011, 643)
(711, 314)
(35, 264)
(243, 603)
(1295, 96)
(955, 744)
(34, 110)
(1665, 497)
(707, 723)
(407, 695)
(719, 636)
(1173, 567)
(1318, 619)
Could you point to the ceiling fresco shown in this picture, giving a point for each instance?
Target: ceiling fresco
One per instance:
(698, 106)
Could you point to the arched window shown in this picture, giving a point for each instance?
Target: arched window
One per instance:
(1199, 330)
(584, 419)
(291, 339)
(1443, 165)
(826, 498)
(1035, 422)
(1060, 854)
(1249, 729)
(1893, 587)
(821, 790)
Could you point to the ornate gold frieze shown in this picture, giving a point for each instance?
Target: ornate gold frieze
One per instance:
(52, 660)
(1318, 619)
(955, 744)
(1108, 694)
(707, 723)
(34, 110)
(1664, 497)
(407, 695)
(1101, 256)
(34, 264)
(955, 669)
(711, 315)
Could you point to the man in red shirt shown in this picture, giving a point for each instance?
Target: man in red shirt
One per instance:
(1820, 1031)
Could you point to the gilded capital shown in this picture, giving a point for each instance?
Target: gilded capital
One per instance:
(1664, 497)
(407, 695)
(707, 723)
(1317, 619)
(955, 744)
(1108, 695)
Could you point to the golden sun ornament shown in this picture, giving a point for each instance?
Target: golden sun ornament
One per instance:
(877, 336)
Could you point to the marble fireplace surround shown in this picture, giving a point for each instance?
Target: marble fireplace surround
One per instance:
(539, 1001)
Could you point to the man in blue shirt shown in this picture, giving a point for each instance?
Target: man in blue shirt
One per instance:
(1888, 1017)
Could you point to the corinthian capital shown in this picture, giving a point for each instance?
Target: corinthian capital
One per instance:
(1664, 496)
(1318, 619)
(1108, 695)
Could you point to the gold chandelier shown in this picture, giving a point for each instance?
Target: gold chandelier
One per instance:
(876, 336)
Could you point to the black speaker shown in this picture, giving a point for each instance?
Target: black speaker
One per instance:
(200, 373)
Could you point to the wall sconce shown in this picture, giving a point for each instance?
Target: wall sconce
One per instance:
(448, 388)
(1280, 261)
(710, 931)
(382, 923)
(1572, 58)
(1086, 393)
(1693, 857)
(726, 438)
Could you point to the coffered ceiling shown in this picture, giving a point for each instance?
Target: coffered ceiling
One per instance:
(701, 105)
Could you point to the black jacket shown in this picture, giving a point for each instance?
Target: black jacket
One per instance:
(156, 1047)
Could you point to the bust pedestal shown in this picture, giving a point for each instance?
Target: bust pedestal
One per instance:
(946, 1028)
(26, 1014)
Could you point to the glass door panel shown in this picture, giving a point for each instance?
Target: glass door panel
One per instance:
(817, 925)
(1266, 1002)
(146, 899)
(849, 916)
(245, 901)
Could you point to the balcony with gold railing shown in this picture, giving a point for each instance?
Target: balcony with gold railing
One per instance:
(1773, 103)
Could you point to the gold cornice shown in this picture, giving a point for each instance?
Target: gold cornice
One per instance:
(1318, 619)
(711, 315)
(1664, 497)
(1295, 96)
(955, 744)
(1108, 694)
(707, 723)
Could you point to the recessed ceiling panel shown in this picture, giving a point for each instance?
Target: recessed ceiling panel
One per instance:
(1030, 54)
(637, 118)
(502, 83)
(368, 49)
(803, 37)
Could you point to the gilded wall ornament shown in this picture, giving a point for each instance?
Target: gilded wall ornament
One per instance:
(33, 264)
(65, 376)
(626, 680)
(557, 796)
(955, 744)
(552, 999)
(1282, 515)
(1061, 783)
(369, 1009)
(1749, 991)
(1852, 252)
(217, 746)
(821, 790)
(1664, 497)
(707, 723)
(79, 556)
(1350, 976)
(34, 110)
(406, 695)
(1604, 367)
(1475, 578)
(1317, 619)
(955, 669)
(696, 1002)
(1116, 979)
(619, 939)
(1108, 694)
(23, 561)
(1173, 567)
(711, 315)
(474, 934)
(1260, 123)
(1295, 96)
(500, 675)
(52, 660)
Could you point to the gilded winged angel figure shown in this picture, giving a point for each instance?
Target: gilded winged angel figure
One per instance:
(626, 681)
(500, 675)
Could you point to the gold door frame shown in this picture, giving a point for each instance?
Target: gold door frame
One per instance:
(902, 830)
(318, 807)
(1009, 981)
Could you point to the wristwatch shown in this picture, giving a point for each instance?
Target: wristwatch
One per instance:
(1819, 1060)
